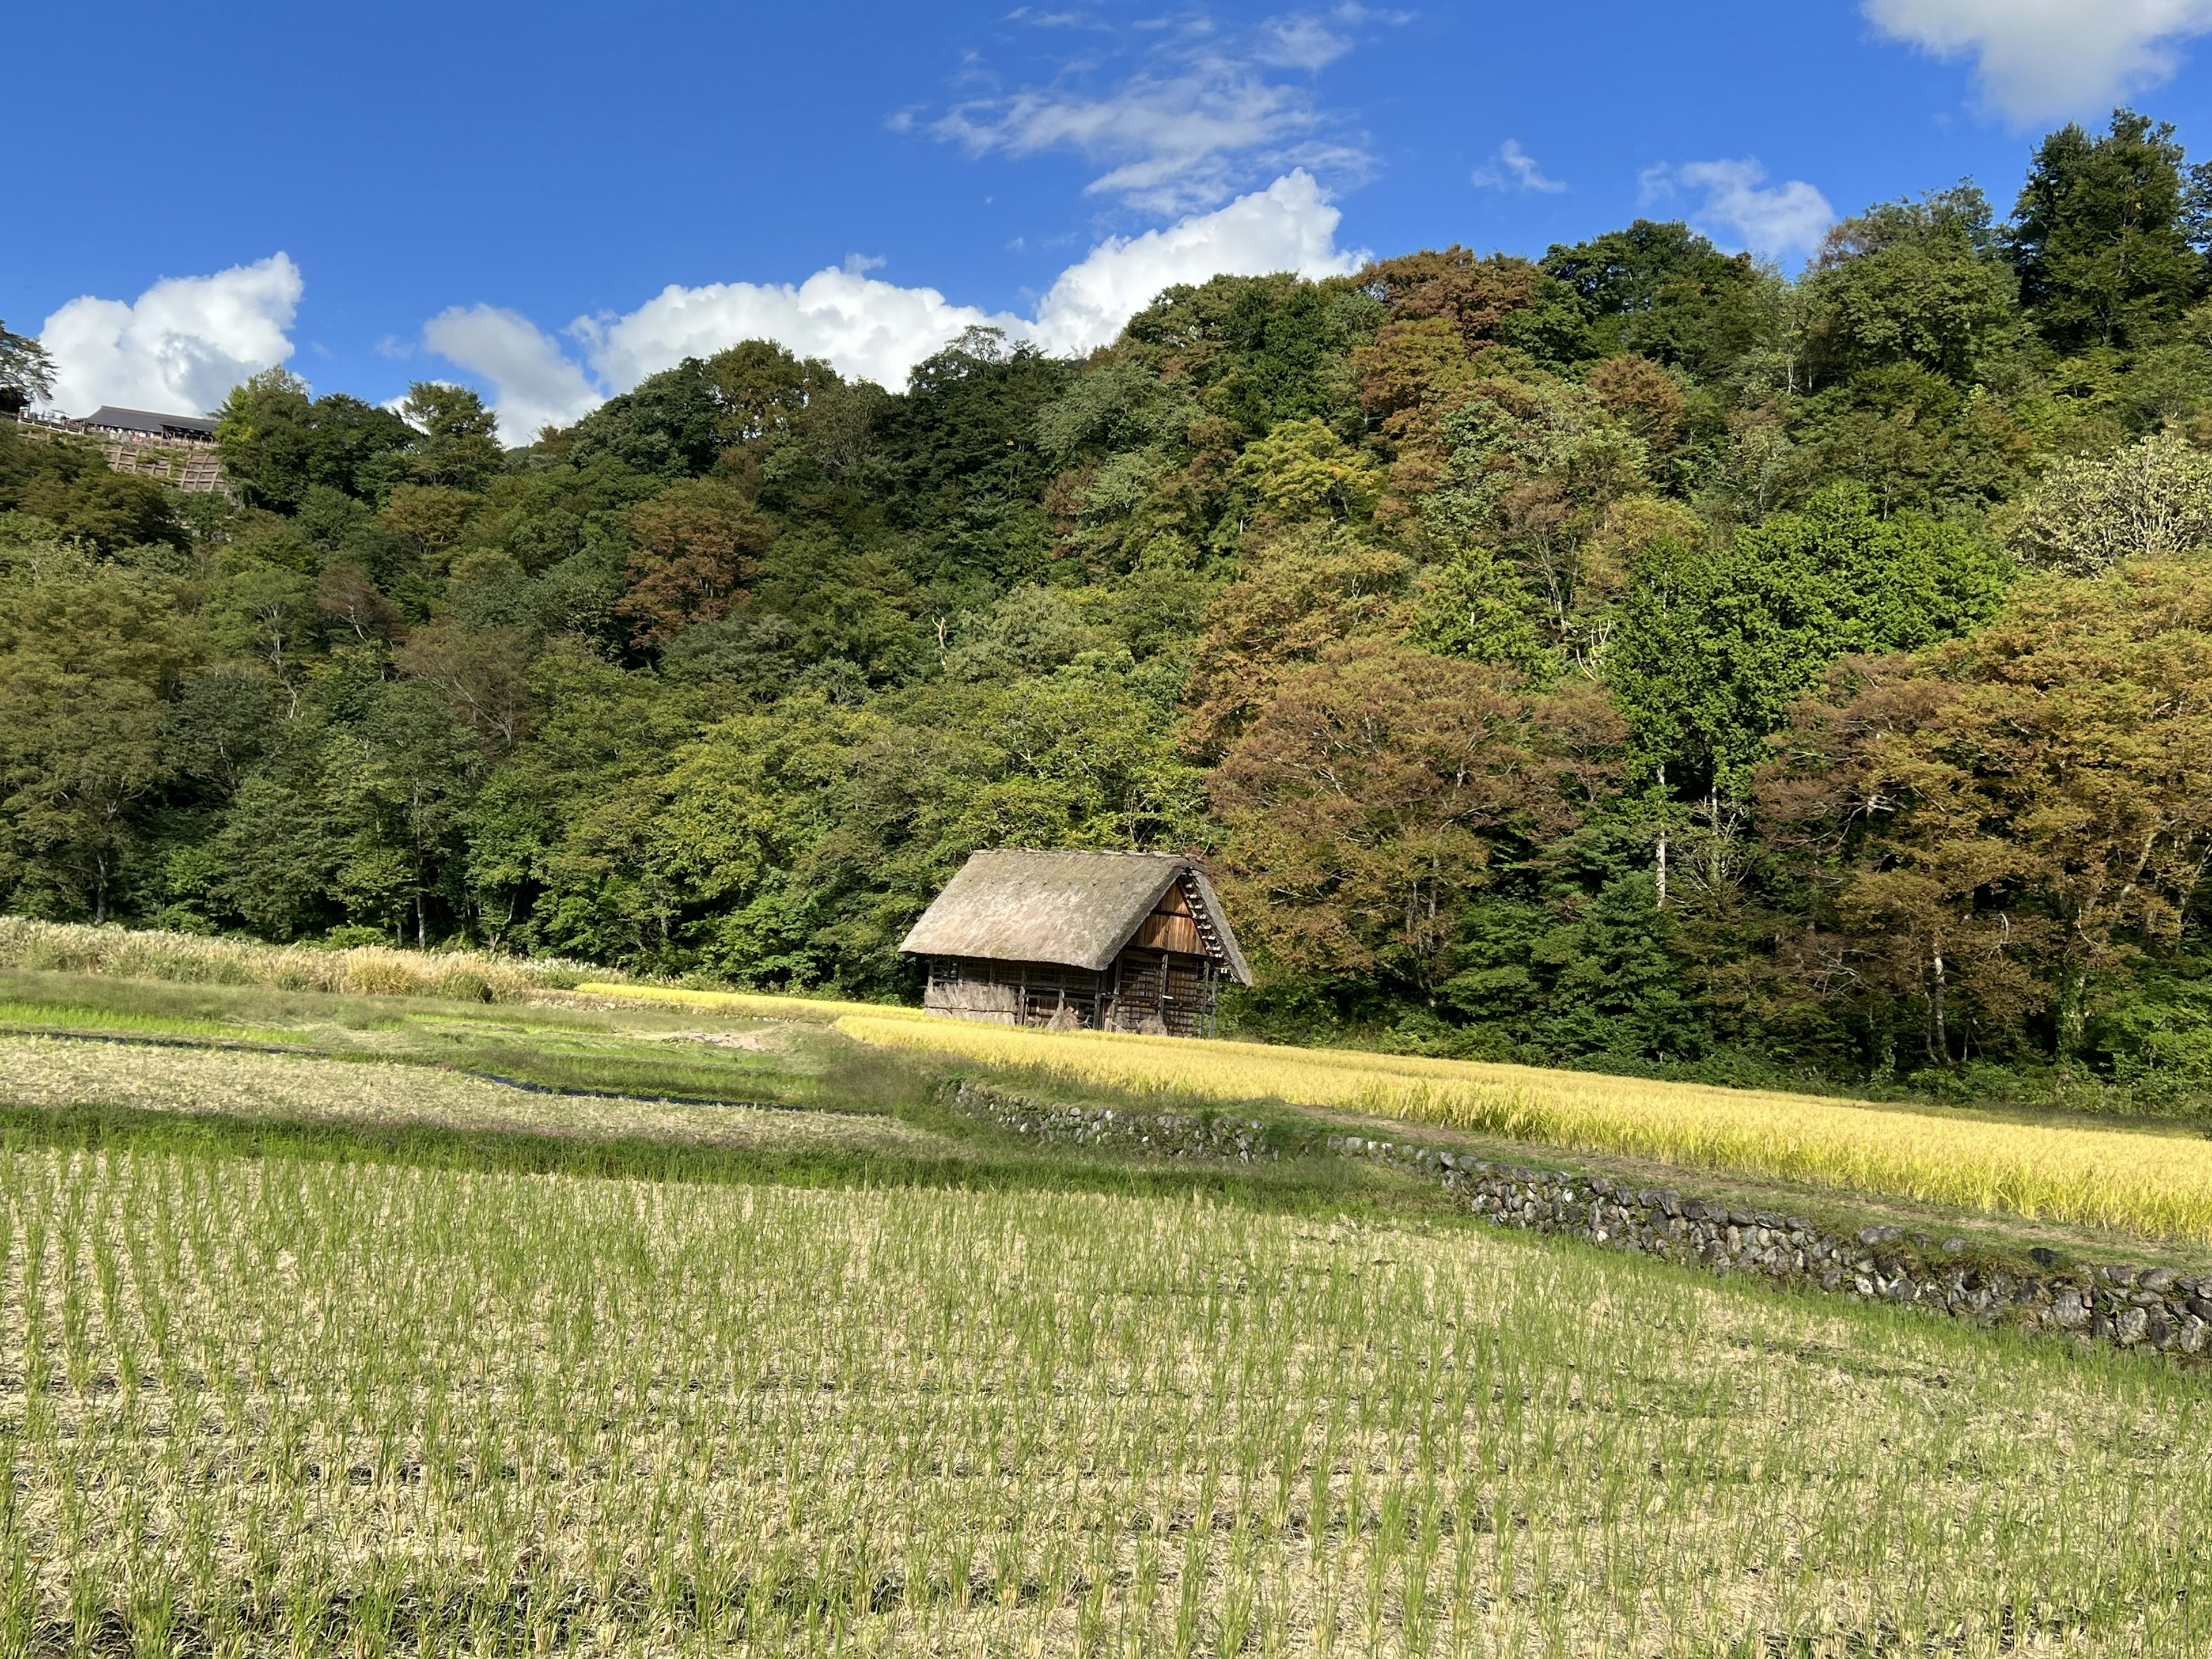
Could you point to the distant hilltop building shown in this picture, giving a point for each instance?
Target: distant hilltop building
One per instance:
(1078, 941)
(172, 449)
(145, 423)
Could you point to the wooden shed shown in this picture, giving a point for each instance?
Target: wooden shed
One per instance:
(1078, 941)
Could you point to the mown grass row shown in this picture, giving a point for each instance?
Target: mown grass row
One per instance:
(287, 1406)
(2152, 1182)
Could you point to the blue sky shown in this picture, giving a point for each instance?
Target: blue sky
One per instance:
(506, 194)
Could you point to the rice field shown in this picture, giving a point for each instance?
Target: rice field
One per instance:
(267, 1407)
(2150, 1182)
(50, 1072)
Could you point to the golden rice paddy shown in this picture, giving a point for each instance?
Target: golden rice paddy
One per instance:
(2155, 1184)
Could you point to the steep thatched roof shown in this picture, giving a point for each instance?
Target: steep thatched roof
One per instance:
(1075, 908)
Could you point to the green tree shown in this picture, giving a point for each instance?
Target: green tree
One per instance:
(459, 446)
(67, 483)
(27, 373)
(2099, 234)
(1912, 282)
(279, 855)
(1666, 292)
(2089, 513)
(1713, 644)
(279, 442)
(86, 653)
(1469, 605)
(401, 781)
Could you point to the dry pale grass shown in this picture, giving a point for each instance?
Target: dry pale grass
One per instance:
(53, 1072)
(365, 970)
(2151, 1183)
(272, 1408)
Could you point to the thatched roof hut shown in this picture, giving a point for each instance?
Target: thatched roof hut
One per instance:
(1103, 941)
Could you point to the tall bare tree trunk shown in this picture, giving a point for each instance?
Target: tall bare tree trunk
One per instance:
(1938, 1033)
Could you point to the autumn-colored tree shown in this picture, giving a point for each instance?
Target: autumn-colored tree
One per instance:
(1915, 882)
(2036, 793)
(432, 517)
(1376, 793)
(1308, 588)
(343, 593)
(1646, 401)
(696, 544)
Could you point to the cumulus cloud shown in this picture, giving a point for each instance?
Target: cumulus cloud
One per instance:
(181, 346)
(873, 330)
(1289, 226)
(866, 328)
(2036, 59)
(533, 386)
(1201, 114)
(1514, 168)
(1773, 220)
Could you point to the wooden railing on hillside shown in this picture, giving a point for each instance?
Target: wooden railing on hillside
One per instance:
(190, 464)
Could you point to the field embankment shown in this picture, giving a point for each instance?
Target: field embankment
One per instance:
(2152, 1182)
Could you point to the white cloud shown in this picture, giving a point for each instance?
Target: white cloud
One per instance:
(1772, 221)
(533, 386)
(1289, 226)
(867, 328)
(180, 347)
(1201, 115)
(1514, 168)
(874, 329)
(1300, 41)
(2040, 59)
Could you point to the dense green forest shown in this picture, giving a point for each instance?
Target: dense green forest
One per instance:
(1634, 657)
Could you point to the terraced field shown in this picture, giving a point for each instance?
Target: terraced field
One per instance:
(2151, 1180)
(381, 1325)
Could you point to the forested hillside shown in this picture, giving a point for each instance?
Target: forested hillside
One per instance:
(1631, 657)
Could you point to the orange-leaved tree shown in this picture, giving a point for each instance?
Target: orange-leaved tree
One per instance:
(695, 544)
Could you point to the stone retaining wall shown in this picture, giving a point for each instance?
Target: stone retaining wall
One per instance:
(2131, 1307)
(1163, 1135)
